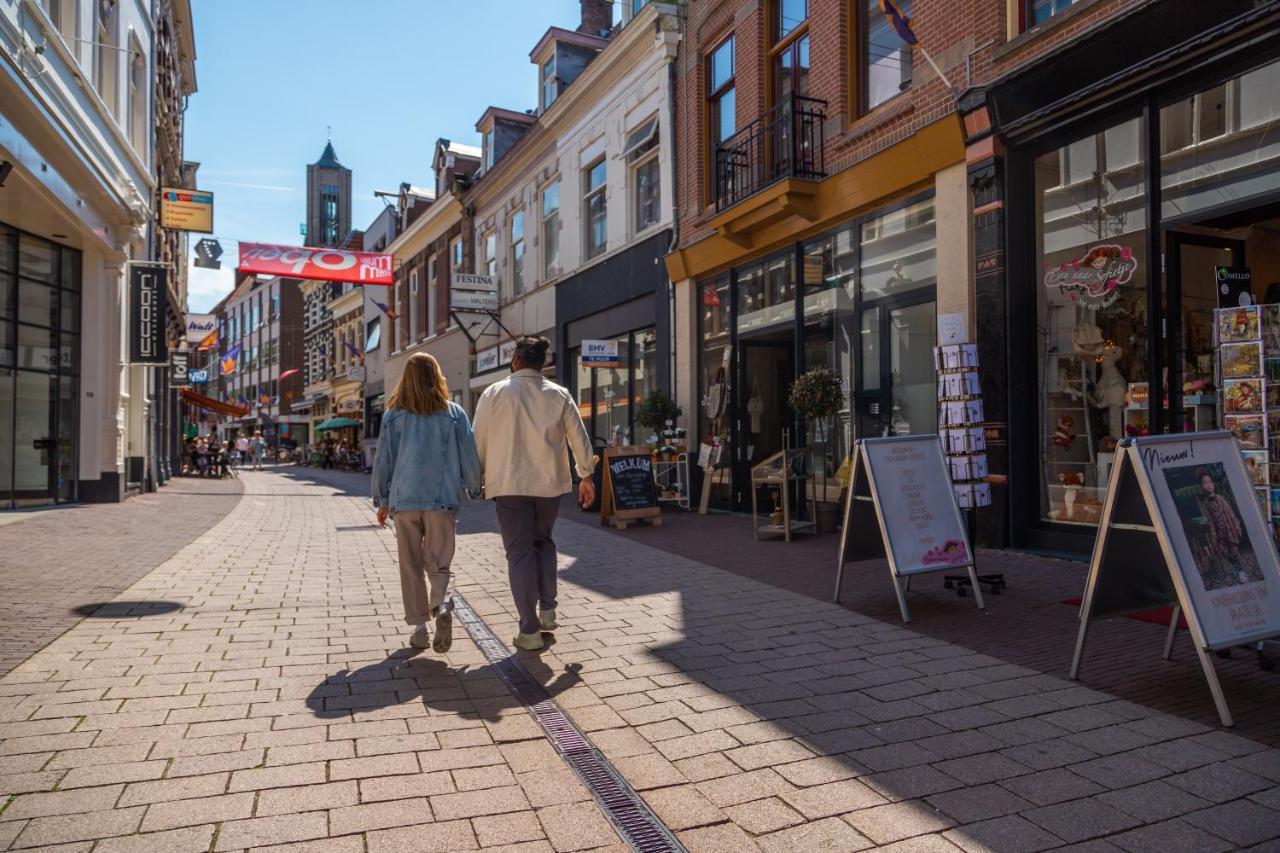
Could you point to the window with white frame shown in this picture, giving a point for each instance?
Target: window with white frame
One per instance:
(433, 294)
(455, 261)
(551, 230)
(641, 154)
(398, 306)
(491, 255)
(517, 253)
(550, 88)
(63, 15)
(137, 119)
(594, 209)
(106, 53)
(486, 150)
(413, 306)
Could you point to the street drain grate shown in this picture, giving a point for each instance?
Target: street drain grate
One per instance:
(624, 808)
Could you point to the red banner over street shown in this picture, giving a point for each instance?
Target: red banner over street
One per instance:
(320, 264)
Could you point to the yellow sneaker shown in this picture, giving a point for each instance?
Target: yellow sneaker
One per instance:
(548, 619)
(528, 642)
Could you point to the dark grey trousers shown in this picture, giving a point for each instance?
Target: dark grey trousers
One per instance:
(531, 554)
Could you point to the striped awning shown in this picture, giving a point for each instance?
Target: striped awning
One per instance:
(229, 409)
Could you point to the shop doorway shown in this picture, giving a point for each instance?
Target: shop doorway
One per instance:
(897, 389)
(766, 368)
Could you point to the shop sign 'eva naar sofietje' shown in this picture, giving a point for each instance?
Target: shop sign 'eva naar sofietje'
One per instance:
(901, 505)
(1181, 527)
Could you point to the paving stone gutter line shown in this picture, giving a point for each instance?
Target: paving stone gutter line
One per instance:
(631, 817)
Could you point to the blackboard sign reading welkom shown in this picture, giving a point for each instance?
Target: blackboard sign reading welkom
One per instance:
(900, 505)
(629, 490)
(1181, 526)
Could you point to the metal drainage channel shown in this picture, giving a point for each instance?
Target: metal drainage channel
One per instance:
(624, 808)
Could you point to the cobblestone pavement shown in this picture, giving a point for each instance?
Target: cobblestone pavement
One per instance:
(59, 563)
(278, 710)
(1028, 624)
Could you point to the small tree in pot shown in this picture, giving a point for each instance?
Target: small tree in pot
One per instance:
(656, 410)
(817, 396)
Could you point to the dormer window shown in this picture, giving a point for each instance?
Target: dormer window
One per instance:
(550, 88)
(487, 150)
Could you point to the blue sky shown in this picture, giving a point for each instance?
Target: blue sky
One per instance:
(388, 76)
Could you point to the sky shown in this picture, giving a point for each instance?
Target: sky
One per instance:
(384, 79)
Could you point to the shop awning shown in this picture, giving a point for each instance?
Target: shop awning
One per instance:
(229, 409)
(336, 423)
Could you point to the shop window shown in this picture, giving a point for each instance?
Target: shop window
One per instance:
(551, 230)
(595, 208)
(1219, 146)
(899, 252)
(106, 54)
(885, 57)
(1039, 11)
(641, 154)
(433, 294)
(714, 375)
(1092, 323)
(721, 93)
(517, 253)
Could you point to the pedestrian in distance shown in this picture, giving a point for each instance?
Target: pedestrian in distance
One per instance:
(525, 427)
(242, 448)
(426, 457)
(258, 445)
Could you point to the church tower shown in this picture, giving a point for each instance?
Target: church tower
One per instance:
(328, 200)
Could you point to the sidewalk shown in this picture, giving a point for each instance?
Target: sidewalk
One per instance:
(1028, 624)
(61, 563)
(279, 710)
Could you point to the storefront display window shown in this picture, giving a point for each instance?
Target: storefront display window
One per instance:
(899, 251)
(1220, 146)
(1092, 316)
(829, 279)
(765, 294)
(608, 396)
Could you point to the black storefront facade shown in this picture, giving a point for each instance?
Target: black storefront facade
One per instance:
(625, 298)
(1131, 163)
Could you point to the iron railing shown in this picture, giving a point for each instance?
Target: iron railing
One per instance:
(786, 142)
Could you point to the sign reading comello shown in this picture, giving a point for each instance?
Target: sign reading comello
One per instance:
(186, 210)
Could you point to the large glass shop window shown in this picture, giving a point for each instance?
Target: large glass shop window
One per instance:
(1092, 323)
(715, 375)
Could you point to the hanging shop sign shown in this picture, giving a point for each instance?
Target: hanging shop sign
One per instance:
(901, 505)
(1235, 286)
(200, 326)
(473, 300)
(1094, 280)
(1181, 527)
(196, 377)
(179, 374)
(317, 264)
(186, 210)
(629, 492)
(148, 304)
(600, 353)
(472, 281)
(486, 360)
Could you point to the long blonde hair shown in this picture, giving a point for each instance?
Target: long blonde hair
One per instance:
(422, 388)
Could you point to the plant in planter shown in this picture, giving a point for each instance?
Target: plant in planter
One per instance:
(656, 412)
(817, 396)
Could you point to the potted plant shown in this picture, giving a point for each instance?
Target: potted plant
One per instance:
(656, 411)
(817, 396)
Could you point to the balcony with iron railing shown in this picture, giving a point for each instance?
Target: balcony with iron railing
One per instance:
(786, 142)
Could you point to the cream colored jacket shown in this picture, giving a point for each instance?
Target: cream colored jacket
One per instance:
(525, 426)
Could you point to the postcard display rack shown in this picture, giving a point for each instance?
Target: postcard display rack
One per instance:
(1248, 345)
(964, 443)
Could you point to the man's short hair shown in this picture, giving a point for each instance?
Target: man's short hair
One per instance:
(532, 352)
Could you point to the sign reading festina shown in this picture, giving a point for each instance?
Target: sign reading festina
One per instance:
(148, 305)
(317, 264)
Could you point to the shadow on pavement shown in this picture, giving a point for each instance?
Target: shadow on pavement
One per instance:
(408, 674)
(125, 609)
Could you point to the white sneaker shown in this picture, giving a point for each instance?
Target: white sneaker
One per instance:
(548, 619)
(529, 642)
(421, 638)
(444, 627)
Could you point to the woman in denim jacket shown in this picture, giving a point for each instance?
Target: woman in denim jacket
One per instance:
(426, 455)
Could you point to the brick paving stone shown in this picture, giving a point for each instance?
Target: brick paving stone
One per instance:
(1008, 834)
(978, 803)
(896, 821)
(263, 831)
(1118, 771)
(344, 844)
(829, 834)
(1170, 836)
(1242, 822)
(507, 829)
(553, 786)
(380, 788)
(1081, 820)
(833, 798)
(649, 771)
(683, 807)
(64, 828)
(921, 844)
(762, 816)
(195, 812)
(570, 828)
(1153, 801)
(466, 804)
(195, 838)
(910, 783)
(446, 837)
(332, 795)
(722, 838)
(361, 818)
(1219, 783)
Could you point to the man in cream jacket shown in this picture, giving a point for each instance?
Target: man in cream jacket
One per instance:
(525, 427)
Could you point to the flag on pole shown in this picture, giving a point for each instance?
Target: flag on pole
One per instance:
(900, 22)
(353, 350)
(209, 342)
(385, 310)
(228, 362)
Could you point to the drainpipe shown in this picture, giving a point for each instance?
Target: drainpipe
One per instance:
(673, 373)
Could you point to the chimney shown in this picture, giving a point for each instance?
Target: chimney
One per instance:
(597, 17)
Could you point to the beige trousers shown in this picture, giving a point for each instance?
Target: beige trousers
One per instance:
(425, 540)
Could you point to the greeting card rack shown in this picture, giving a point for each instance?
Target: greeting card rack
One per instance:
(964, 443)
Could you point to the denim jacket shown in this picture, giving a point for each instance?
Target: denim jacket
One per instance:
(423, 461)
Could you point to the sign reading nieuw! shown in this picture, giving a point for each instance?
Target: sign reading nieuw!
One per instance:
(148, 303)
(600, 353)
(316, 264)
(186, 210)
